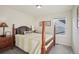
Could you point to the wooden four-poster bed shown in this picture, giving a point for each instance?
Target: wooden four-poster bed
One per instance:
(28, 42)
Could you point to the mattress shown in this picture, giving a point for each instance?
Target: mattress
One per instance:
(31, 42)
(39, 36)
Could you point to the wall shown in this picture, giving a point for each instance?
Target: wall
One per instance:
(66, 39)
(12, 16)
(75, 39)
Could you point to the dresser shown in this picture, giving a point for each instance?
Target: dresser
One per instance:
(6, 42)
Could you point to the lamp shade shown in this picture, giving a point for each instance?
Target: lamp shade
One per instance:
(3, 24)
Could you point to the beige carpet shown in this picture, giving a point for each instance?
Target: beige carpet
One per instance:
(58, 49)
(61, 49)
(15, 50)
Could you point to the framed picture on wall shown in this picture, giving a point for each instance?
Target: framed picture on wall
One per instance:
(48, 23)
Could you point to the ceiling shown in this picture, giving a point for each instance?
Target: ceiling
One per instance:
(45, 10)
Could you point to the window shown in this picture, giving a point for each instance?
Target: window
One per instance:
(60, 25)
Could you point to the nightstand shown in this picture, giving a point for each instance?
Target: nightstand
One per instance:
(6, 42)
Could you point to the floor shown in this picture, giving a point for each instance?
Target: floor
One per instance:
(61, 49)
(58, 49)
(15, 50)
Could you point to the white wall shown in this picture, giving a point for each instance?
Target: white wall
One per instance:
(12, 16)
(66, 39)
(75, 36)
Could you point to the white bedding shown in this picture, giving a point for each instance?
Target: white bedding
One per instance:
(30, 42)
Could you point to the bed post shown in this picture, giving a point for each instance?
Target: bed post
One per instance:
(43, 50)
(13, 34)
(54, 35)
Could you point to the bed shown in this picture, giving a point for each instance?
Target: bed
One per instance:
(32, 42)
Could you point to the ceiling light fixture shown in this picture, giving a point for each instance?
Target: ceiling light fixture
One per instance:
(38, 6)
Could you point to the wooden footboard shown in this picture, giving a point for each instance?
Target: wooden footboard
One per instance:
(50, 46)
(43, 48)
(48, 41)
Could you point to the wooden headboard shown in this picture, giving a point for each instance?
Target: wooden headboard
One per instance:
(21, 29)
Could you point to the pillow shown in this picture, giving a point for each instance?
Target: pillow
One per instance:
(26, 32)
